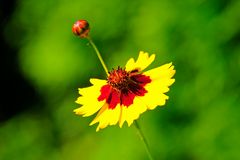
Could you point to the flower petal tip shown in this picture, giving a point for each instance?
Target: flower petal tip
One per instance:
(92, 123)
(130, 123)
(77, 111)
(97, 129)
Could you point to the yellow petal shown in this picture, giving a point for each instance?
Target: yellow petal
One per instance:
(106, 117)
(142, 62)
(164, 71)
(132, 112)
(89, 98)
(161, 80)
(154, 97)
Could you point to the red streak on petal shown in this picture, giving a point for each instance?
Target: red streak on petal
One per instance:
(113, 99)
(141, 79)
(111, 95)
(105, 91)
(127, 98)
(137, 89)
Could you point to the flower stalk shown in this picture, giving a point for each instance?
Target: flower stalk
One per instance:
(143, 139)
(98, 54)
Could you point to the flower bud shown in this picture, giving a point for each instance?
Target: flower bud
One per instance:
(81, 28)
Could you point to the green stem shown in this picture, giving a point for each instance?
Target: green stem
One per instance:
(98, 54)
(142, 137)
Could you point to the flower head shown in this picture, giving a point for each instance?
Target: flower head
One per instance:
(127, 92)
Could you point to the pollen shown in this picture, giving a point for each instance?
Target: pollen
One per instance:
(119, 79)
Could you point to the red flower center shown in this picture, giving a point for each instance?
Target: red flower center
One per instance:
(123, 87)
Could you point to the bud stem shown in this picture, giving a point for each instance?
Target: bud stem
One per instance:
(98, 54)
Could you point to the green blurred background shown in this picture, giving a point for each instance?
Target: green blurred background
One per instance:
(201, 119)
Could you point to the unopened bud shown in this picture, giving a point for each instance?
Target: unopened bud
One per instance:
(81, 28)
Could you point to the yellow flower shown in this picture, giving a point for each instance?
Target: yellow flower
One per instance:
(127, 92)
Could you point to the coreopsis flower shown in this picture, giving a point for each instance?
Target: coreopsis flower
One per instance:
(127, 92)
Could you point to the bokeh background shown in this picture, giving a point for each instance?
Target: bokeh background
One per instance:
(43, 64)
